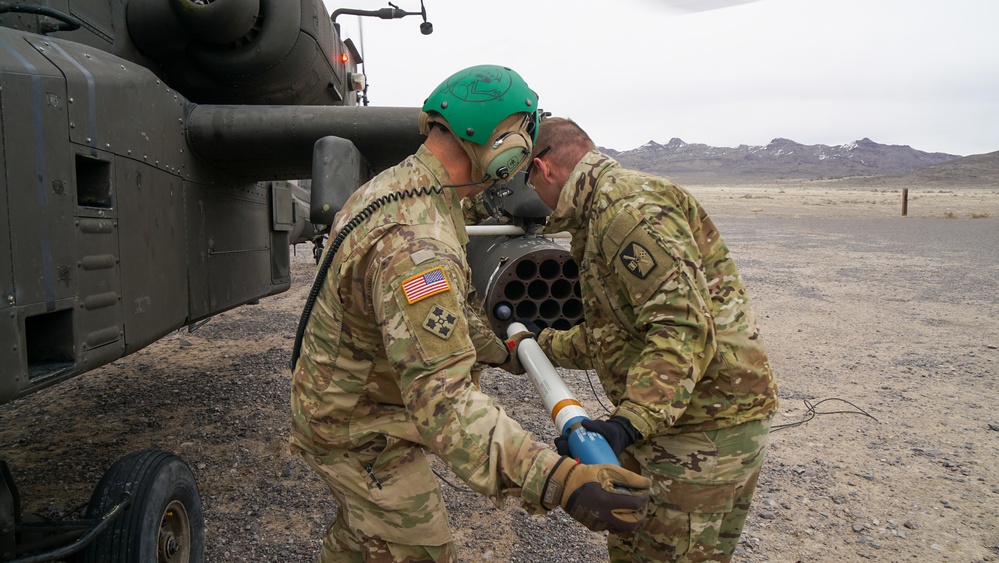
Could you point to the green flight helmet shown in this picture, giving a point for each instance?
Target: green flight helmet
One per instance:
(475, 100)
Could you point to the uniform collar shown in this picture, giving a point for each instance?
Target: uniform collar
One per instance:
(448, 198)
(434, 166)
(576, 198)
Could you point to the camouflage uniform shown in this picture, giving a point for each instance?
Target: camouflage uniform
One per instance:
(385, 374)
(670, 331)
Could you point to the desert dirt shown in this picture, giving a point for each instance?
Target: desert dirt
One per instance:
(887, 326)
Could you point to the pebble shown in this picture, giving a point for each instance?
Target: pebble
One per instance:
(858, 528)
(993, 426)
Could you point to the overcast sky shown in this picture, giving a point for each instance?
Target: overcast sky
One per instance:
(905, 72)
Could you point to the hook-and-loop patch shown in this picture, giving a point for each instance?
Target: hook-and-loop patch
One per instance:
(425, 284)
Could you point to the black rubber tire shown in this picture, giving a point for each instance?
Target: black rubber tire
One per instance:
(164, 522)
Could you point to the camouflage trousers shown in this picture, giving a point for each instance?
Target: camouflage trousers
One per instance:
(389, 506)
(702, 485)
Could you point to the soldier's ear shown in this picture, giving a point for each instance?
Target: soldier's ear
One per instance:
(543, 167)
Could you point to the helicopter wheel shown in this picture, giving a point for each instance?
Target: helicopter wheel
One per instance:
(164, 522)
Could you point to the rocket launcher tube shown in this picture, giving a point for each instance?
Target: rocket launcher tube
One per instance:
(565, 410)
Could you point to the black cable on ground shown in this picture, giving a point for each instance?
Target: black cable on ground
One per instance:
(811, 413)
(589, 380)
(450, 484)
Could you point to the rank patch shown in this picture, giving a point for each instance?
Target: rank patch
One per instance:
(637, 259)
(440, 322)
(424, 285)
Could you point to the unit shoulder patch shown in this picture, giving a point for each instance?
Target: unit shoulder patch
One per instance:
(637, 260)
(642, 263)
(425, 284)
(440, 322)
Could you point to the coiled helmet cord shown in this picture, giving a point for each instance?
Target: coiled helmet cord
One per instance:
(321, 273)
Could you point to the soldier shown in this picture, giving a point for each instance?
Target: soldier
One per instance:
(670, 331)
(388, 350)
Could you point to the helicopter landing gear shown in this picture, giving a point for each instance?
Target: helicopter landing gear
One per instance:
(164, 523)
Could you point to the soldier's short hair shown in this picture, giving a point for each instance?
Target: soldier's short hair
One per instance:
(566, 138)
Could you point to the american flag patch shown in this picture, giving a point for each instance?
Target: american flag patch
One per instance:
(424, 285)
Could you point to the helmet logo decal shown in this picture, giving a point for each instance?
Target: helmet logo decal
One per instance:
(479, 84)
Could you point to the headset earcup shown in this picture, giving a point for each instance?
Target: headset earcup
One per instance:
(504, 161)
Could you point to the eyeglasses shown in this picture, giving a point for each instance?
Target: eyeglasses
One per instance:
(530, 166)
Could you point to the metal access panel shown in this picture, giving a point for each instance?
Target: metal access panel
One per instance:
(38, 179)
(97, 319)
(153, 251)
(282, 223)
(238, 222)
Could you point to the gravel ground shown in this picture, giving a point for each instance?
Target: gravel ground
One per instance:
(896, 316)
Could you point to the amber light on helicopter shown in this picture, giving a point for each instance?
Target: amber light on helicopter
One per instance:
(344, 58)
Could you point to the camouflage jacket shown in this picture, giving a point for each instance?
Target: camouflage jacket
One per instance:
(669, 327)
(393, 337)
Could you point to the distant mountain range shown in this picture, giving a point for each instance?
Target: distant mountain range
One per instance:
(975, 171)
(783, 160)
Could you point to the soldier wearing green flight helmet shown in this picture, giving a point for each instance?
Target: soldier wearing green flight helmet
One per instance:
(390, 349)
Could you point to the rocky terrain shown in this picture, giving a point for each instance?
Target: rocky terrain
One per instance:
(882, 332)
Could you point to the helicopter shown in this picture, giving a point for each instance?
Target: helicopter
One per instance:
(148, 154)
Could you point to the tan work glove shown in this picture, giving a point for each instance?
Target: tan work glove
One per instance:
(592, 494)
(512, 363)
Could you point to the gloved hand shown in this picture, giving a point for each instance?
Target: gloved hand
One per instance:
(591, 495)
(530, 325)
(512, 363)
(617, 430)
